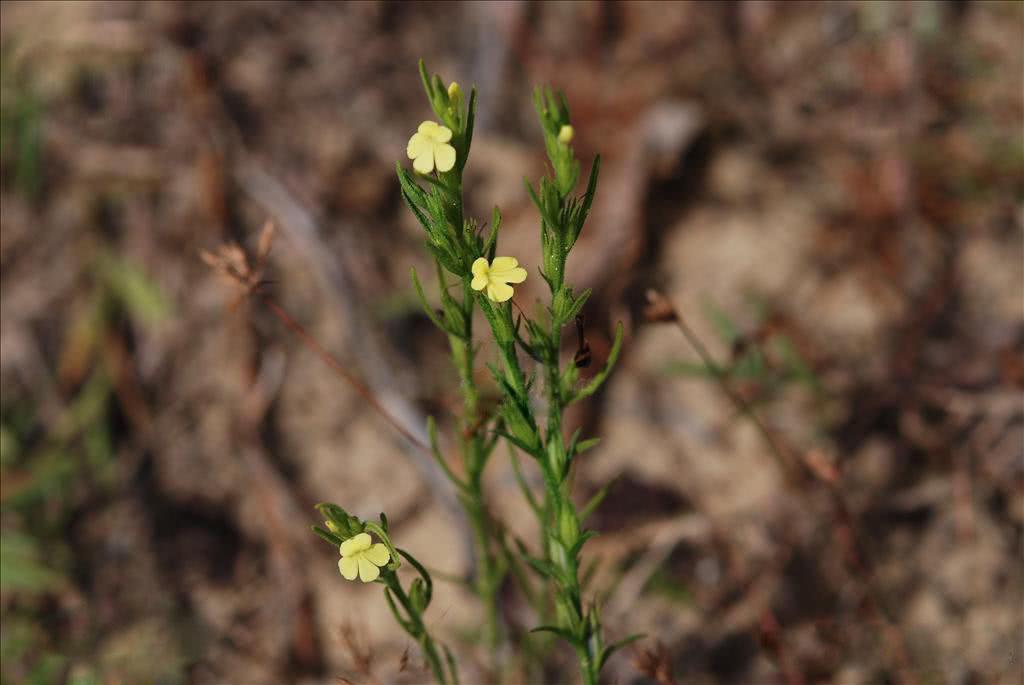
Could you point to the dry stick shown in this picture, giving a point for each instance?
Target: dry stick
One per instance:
(325, 356)
(784, 461)
(857, 557)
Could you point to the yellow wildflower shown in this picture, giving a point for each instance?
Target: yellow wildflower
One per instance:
(565, 134)
(429, 147)
(496, 277)
(359, 557)
(454, 91)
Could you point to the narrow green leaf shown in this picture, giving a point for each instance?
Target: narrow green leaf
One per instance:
(491, 246)
(612, 648)
(425, 77)
(594, 502)
(327, 535)
(407, 626)
(428, 582)
(427, 309)
(470, 123)
(435, 450)
(578, 545)
(595, 383)
(524, 487)
(727, 329)
(453, 670)
(560, 632)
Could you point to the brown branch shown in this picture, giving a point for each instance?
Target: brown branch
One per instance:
(310, 342)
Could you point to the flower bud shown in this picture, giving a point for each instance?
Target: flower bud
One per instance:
(332, 526)
(565, 134)
(418, 595)
(454, 91)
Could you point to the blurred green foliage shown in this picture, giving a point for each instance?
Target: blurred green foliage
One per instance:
(51, 465)
(21, 117)
(772, 362)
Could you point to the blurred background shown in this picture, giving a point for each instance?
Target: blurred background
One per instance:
(830, 194)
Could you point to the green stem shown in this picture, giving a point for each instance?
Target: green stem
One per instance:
(474, 457)
(419, 632)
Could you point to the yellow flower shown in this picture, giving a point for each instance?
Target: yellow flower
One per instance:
(565, 134)
(497, 276)
(429, 147)
(454, 91)
(359, 557)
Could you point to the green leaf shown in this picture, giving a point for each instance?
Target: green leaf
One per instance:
(428, 582)
(595, 383)
(578, 545)
(22, 568)
(435, 450)
(518, 443)
(560, 632)
(574, 307)
(427, 309)
(425, 77)
(524, 487)
(452, 668)
(727, 329)
(470, 122)
(328, 536)
(588, 196)
(132, 288)
(491, 246)
(596, 500)
(407, 626)
(614, 647)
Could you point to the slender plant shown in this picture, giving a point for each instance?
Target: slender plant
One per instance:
(445, 147)
(464, 250)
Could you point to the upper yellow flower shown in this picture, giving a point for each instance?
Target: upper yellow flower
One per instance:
(358, 556)
(497, 276)
(429, 147)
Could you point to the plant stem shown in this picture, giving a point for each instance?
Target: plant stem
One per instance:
(419, 632)
(474, 459)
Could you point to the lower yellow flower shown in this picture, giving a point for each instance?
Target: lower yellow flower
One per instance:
(360, 557)
(496, 277)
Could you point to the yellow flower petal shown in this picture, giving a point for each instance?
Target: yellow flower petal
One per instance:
(355, 544)
(443, 134)
(418, 145)
(479, 267)
(444, 155)
(378, 554)
(479, 282)
(367, 571)
(499, 292)
(428, 128)
(516, 275)
(349, 567)
(503, 264)
(425, 162)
